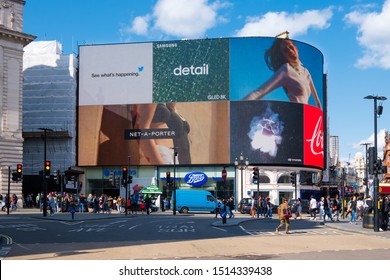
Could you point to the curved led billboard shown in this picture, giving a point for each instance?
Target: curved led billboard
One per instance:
(207, 100)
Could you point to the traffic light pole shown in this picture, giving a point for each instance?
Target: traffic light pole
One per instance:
(258, 193)
(44, 195)
(7, 203)
(377, 113)
(174, 180)
(44, 178)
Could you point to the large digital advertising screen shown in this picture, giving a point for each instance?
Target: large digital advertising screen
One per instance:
(206, 100)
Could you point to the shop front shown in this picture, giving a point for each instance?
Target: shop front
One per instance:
(108, 180)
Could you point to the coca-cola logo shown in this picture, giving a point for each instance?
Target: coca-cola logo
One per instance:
(317, 139)
(196, 179)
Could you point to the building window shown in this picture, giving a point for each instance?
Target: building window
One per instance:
(263, 179)
(284, 179)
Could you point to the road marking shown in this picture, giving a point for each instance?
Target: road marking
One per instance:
(220, 229)
(4, 251)
(130, 228)
(118, 222)
(298, 232)
(246, 231)
(180, 228)
(23, 227)
(8, 240)
(71, 223)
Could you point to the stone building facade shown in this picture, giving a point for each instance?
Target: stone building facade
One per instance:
(12, 42)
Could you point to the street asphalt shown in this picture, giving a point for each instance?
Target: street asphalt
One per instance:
(239, 218)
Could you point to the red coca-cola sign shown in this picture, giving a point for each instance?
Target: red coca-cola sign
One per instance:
(313, 136)
(224, 174)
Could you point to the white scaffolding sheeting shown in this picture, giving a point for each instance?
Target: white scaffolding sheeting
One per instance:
(49, 101)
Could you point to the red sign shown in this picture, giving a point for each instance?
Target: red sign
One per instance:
(224, 174)
(313, 153)
(384, 189)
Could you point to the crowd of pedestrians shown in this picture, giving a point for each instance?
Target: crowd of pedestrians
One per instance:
(224, 207)
(325, 209)
(68, 202)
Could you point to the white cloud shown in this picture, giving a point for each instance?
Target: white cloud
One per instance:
(183, 19)
(140, 25)
(380, 142)
(273, 23)
(373, 36)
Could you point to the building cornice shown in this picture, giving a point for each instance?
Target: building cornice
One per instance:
(16, 36)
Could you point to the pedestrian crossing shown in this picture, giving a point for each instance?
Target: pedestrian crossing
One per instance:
(300, 232)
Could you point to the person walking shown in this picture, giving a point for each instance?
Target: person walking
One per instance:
(313, 208)
(328, 208)
(52, 204)
(253, 207)
(321, 208)
(14, 202)
(148, 203)
(349, 209)
(336, 208)
(231, 206)
(81, 203)
(359, 208)
(269, 208)
(119, 204)
(72, 207)
(284, 217)
(353, 210)
(298, 209)
(218, 206)
(384, 213)
(224, 211)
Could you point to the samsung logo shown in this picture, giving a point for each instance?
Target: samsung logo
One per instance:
(196, 179)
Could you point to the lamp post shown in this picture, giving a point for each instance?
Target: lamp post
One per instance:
(365, 169)
(127, 184)
(174, 179)
(44, 195)
(377, 113)
(241, 164)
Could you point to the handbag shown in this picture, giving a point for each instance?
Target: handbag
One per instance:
(287, 213)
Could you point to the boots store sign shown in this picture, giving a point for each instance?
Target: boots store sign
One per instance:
(196, 178)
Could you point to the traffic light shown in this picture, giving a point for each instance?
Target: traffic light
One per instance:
(255, 175)
(168, 176)
(378, 166)
(15, 176)
(293, 178)
(19, 171)
(47, 168)
(124, 176)
(57, 177)
(130, 179)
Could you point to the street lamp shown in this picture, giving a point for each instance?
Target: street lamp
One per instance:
(377, 113)
(127, 184)
(241, 164)
(365, 169)
(44, 209)
(174, 179)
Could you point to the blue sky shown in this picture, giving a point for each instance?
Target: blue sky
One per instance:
(353, 35)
